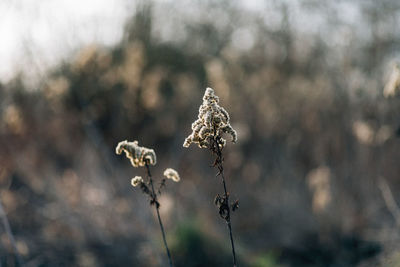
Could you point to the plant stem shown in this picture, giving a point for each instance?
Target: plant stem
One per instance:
(228, 217)
(157, 205)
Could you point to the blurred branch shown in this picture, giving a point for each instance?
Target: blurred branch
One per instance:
(389, 200)
(10, 235)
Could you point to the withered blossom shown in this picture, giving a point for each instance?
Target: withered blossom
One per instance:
(137, 154)
(213, 120)
(172, 174)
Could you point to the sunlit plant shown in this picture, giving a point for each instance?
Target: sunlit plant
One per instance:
(213, 121)
(144, 157)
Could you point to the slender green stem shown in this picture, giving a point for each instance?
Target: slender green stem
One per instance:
(157, 205)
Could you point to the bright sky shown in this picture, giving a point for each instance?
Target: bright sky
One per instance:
(33, 32)
(36, 35)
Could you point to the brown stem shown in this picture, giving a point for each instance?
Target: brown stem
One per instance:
(228, 216)
(157, 205)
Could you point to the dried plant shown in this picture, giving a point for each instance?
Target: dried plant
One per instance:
(144, 157)
(213, 121)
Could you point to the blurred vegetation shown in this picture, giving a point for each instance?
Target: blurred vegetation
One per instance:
(315, 135)
(192, 247)
(267, 260)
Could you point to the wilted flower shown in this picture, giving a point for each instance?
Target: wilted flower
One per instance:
(142, 156)
(212, 120)
(137, 180)
(137, 154)
(172, 174)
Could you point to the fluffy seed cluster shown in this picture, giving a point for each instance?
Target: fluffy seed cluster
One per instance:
(137, 180)
(172, 174)
(137, 154)
(212, 119)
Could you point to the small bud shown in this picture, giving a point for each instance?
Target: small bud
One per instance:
(172, 174)
(137, 180)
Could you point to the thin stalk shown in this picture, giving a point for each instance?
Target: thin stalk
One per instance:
(228, 217)
(157, 205)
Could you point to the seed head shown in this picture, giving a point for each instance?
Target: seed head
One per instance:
(137, 154)
(212, 119)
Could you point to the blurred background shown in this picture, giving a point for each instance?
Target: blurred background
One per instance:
(316, 166)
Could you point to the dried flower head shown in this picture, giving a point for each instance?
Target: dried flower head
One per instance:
(137, 180)
(137, 154)
(172, 174)
(213, 120)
